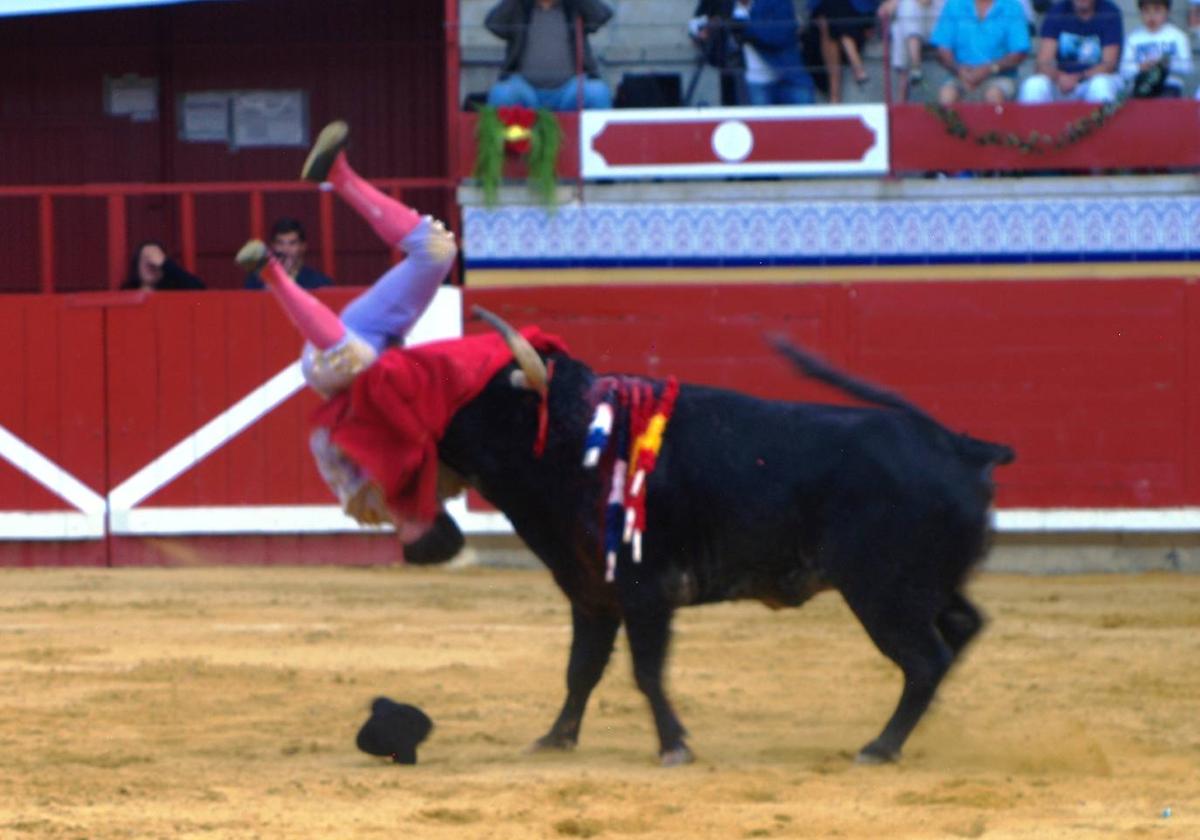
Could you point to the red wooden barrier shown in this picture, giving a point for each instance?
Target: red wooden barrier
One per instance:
(134, 399)
(1088, 380)
(1145, 134)
(52, 418)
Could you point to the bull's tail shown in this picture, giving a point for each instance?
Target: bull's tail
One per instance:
(820, 370)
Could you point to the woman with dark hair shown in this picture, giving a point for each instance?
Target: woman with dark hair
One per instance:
(151, 270)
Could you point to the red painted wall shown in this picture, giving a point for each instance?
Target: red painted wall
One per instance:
(1093, 382)
(1144, 134)
(52, 380)
(377, 63)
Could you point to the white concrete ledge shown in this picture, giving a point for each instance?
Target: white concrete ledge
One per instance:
(1097, 520)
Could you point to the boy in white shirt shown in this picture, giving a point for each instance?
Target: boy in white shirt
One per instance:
(1153, 41)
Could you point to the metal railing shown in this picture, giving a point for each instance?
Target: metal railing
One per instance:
(116, 226)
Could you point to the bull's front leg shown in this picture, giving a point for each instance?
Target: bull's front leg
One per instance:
(591, 648)
(648, 627)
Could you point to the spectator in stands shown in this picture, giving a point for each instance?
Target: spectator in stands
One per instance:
(981, 43)
(710, 32)
(289, 245)
(843, 26)
(540, 60)
(775, 73)
(151, 270)
(1077, 53)
(910, 23)
(1194, 18)
(1156, 41)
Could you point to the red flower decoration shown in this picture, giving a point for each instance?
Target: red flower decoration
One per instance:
(518, 124)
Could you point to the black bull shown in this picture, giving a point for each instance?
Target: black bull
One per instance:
(774, 501)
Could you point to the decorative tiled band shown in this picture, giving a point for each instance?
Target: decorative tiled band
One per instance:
(836, 233)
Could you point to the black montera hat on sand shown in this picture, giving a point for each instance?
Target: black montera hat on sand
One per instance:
(394, 730)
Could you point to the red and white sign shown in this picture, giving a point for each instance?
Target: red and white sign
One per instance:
(731, 142)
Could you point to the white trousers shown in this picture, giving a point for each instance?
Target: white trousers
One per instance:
(1040, 88)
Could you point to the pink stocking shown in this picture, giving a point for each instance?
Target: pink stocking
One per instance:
(316, 321)
(390, 219)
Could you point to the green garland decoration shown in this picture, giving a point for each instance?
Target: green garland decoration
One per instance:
(489, 154)
(543, 156)
(1035, 143)
(542, 159)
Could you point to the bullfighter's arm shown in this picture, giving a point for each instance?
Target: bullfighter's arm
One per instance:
(360, 497)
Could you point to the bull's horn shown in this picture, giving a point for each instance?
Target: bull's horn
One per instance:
(530, 362)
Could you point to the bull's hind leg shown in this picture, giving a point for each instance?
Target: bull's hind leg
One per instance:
(591, 648)
(910, 639)
(959, 623)
(649, 632)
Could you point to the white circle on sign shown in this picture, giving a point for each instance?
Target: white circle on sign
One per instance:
(732, 141)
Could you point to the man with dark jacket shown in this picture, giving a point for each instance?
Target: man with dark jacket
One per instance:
(541, 66)
(710, 32)
(775, 73)
(289, 244)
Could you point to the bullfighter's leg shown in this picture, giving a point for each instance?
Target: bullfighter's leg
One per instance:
(385, 312)
(649, 632)
(391, 219)
(908, 637)
(591, 648)
(316, 321)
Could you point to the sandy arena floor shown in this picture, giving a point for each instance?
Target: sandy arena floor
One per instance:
(222, 703)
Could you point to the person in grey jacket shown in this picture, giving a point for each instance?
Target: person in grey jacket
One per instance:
(540, 60)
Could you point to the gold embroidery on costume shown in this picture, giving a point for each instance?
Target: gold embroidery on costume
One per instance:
(361, 498)
(329, 371)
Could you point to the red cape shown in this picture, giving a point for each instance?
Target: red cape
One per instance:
(392, 416)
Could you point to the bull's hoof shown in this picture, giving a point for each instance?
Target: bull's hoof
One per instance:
(551, 743)
(874, 753)
(677, 757)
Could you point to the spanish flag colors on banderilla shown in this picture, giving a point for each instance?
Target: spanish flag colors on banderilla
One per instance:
(629, 421)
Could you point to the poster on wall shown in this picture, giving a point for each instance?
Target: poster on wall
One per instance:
(269, 118)
(204, 117)
(131, 96)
